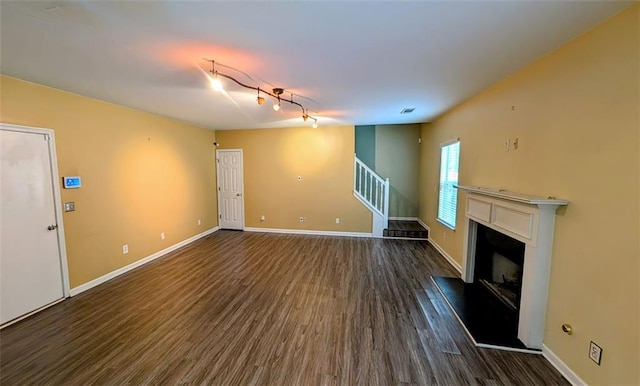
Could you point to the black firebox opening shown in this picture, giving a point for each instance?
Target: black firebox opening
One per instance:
(499, 261)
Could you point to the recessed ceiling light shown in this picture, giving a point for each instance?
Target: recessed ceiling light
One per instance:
(407, 110)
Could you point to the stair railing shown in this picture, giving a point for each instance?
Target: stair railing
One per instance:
(371, 189)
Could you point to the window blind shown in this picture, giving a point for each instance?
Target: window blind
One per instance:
(448, 197)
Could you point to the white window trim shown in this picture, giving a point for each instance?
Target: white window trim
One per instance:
(449, 142)
(438, 218)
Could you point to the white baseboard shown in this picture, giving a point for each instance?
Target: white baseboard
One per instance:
(19, 318)
(424, 225)
(86, 286)
(438, 248)
(308, 232)
(450, 259)
(562, 367)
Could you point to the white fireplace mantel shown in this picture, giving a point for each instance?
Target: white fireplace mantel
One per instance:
(512, 196)
(529, 219)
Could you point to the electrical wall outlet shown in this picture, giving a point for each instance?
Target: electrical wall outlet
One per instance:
(262, 218)
(301, 219)
(125, 249)
(595, 352)
(162, 236)
(199, 222)
(337, 220)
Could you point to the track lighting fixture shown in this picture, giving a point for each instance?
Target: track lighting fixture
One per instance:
(276, 92)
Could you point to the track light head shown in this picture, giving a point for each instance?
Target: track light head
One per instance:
(216, 83)
(276, 107)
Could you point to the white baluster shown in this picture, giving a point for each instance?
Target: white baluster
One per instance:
(375, 198)
(368, 179)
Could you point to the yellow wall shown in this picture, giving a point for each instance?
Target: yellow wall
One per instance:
(323, 157)
(576, 116)
(142, 174)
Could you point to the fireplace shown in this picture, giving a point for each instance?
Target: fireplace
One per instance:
(507, 248)
(499, 262)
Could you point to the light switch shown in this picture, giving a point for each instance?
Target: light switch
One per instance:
(69, 206)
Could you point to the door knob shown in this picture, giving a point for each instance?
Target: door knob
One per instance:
(238, 194)
(52, 227)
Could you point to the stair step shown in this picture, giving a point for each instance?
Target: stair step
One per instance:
(408, 234)
(405, 229)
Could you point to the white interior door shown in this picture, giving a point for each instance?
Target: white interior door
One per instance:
(31, 274)
(230, 189)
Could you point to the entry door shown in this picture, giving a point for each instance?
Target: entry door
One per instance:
(230, 189)
(30, 260)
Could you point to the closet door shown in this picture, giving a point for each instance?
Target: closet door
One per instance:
(230, 188)
(30, 261)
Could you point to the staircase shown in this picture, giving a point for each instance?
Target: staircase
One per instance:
(373, 191)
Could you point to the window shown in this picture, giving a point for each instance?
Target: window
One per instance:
(448, 198)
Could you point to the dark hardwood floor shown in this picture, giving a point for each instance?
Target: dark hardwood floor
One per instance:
(253, 308)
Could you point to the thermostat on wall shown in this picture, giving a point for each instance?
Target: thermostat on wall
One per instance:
(72, 182)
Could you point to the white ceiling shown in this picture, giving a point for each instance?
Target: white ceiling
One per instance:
(361, 62)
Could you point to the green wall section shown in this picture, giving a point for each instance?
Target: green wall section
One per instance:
(393, 152)
(366, 145)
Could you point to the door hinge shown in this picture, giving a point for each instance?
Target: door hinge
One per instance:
(218, 188)
(46, 137)
(218, 160)
(220, 216)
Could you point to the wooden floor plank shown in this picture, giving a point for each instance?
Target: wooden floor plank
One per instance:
(250, 308)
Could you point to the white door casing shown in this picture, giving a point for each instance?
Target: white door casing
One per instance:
(33, 267)
(230, 189)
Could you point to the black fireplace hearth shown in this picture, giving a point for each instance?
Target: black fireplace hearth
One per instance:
(488, 320)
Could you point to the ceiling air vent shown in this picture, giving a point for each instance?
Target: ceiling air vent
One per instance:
(407, 110)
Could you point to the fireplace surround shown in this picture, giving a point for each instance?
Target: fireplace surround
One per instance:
(527, 219)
